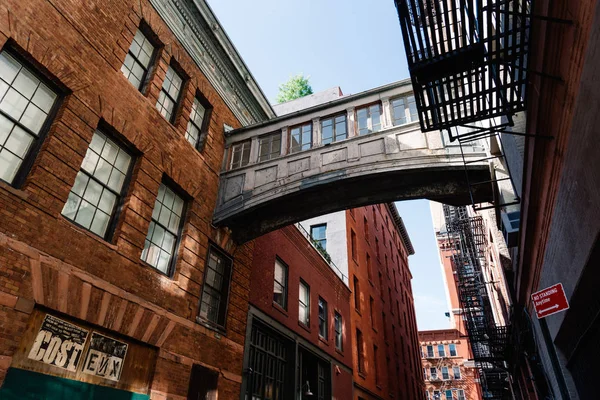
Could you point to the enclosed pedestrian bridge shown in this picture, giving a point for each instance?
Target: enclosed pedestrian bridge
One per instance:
(351, 151)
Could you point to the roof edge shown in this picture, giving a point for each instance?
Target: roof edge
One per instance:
(401, 228)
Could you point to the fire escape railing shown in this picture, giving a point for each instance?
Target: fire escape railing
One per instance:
(490, 343)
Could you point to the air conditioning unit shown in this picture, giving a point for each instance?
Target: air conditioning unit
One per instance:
(510, 227)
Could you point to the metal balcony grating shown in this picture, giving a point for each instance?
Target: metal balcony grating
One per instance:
(467, 58)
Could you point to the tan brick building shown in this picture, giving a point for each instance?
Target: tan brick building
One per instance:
(112, 279)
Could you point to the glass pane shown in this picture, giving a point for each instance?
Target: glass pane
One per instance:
(174, 223)
(5, 128)
(163, 262)
(164, 216)
(9, 67)
(85, 214)
(169, 198)
(107, 201)
(168, 243)
(18, 142)
(13, 104)
(110, 151)
(178, 205)
(158, 235)
(81, 181)
(102, 172)
(100, 223)
(93, 192)
(116, 180)
(33, 118)
(26, 83)
(3, 88)
(90, 161)
(70, 208)
(9, 164)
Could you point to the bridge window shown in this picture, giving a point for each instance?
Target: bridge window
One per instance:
(197, 127)
(404, 110)
(138, 60)
(304, 304)
(170, 94)
(164, 230)
(239, 155)
(318, 233)
(333, 129)
(300, 138)
(269, 146)
(26, 103)
(215, 292)
(280, 284)
(99, 185)
(369, 119)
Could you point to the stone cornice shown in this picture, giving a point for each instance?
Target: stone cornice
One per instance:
(199, 32)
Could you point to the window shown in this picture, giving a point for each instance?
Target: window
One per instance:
(353, 244)
(138, 59)
(280, 284)
(441, 350)
(381, 285)
(239, 154)
(395, 281)
(369, 119)
(436, 395)
(427, 394)
(384, 322)
(318, 233)
(376, 362)
(356, 294)
(448, 393)
(366, 225)
(164, 231)
(433, 373)
(394, 339)
(377, 248)
(269, 360)
(430, 351)
(338, 331)
(304, 304)
(404, 110)
(369, 268)
(424, 373)
(333, 129)
(360, 351)
(25, 103)
(323, 320)
(169, 94)
(445, 374)
(372, 312)
(460, 394)
(99, 185)
(300, 138)
(269, 146)
(391, 304)
(197, 127)
(452, 348)
(215, 291)
(456, 372)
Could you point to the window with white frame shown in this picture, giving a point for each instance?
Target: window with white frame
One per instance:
(433, 373)
(368, 119)
(280, 284)
(425, 373)
(197, 127)
(445, 373)
(429, 351)
(138, 59)
(304, 304)
(215, 290)
(164, 231)
(460, 394)
(269, 146)
(441, 350)
(323, 319)
(239, 154)
(339, 327)
(99, 185)
(25, 103)
(333, 129)
(404, 110)
(170, 92)
(300, 137)
(452, 349)
(456, 372)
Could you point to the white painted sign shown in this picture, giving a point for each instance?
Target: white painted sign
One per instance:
(105, 357)
(59, 343)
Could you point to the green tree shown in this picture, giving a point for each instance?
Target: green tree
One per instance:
(296, 87)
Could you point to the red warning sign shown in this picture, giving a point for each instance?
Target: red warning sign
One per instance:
(550, 301)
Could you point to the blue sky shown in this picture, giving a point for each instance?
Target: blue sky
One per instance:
(354, 44)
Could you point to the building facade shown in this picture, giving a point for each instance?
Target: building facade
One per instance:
(298, 342)
(113, 282)
(448, 372)
(382, 324)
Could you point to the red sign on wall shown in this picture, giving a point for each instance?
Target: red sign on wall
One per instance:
(550, 301)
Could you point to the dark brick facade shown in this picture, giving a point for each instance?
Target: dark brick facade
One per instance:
(45, 260)
(388, 285)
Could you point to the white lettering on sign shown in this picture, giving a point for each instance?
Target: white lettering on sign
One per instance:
(59, 343)
(105, 357)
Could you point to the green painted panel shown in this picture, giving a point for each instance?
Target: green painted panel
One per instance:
(21, 384)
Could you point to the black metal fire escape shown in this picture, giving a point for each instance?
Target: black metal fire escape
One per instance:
(490, 343)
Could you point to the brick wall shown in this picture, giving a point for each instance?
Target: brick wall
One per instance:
(46, 259)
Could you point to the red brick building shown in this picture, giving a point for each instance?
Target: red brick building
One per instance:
(299, 306)
(112, 279)
(448, 372)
